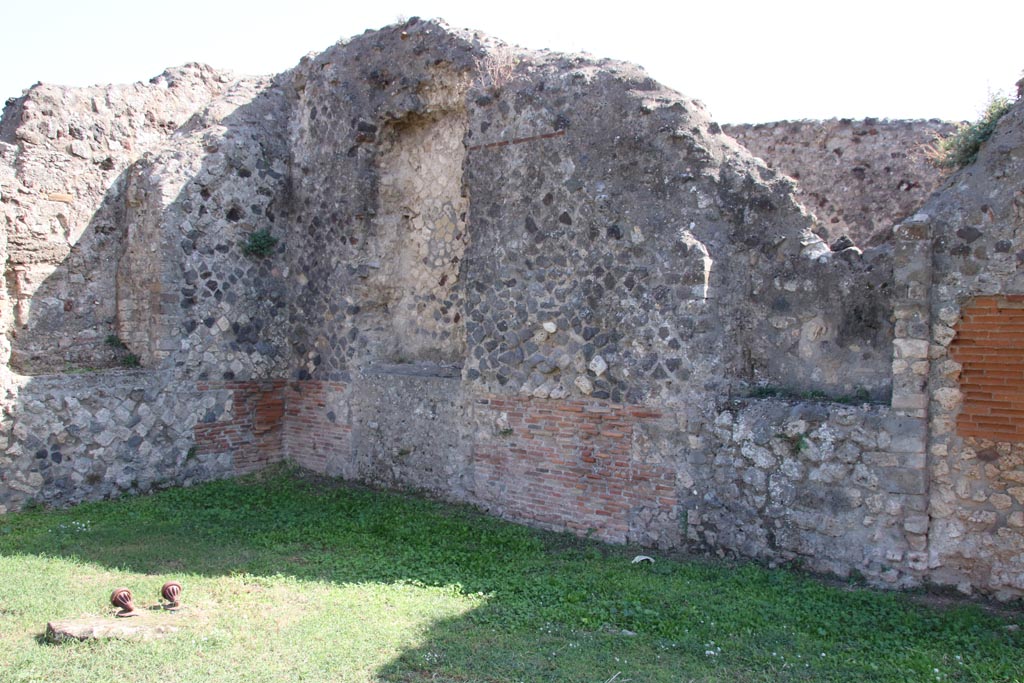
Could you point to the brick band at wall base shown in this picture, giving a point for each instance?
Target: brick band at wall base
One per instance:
(571, 465)
(252, 430)
(564, 465)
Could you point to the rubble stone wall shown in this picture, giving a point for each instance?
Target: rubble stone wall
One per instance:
(66, 154)
(96, 435)
(837, 488)
(977, 502)
(860, 178)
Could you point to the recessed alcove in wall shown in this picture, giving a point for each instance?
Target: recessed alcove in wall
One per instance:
(418, 236)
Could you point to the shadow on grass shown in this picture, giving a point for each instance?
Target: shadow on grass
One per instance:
(543, 607)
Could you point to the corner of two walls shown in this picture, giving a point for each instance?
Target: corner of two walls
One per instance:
(156, 280)
(377, 394)
(563, 445)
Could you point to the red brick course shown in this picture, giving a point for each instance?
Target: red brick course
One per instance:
(313, 431)
(570, 465)
(253, 430)
(566, 465)
(990, 348)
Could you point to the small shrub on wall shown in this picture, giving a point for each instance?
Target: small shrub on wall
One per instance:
(260, 244)
(961, 148)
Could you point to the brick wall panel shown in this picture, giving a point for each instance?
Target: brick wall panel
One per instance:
(990, 349)
(569, 465)
(252, 431)
(315, 435)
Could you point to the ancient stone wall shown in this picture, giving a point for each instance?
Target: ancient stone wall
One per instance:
(837, 488)
(146, 269)
(62, 205)
(69, 438)
(190, 292)
(976, 286)
(548, 287)
(860, 178)
(661, 256)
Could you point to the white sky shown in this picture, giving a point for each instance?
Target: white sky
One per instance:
(748, 61)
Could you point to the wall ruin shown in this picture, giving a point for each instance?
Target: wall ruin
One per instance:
(859, 178)
(557, 291)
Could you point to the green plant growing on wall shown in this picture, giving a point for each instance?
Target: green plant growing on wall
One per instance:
(859, 395)
(798, 443)
(961, 148)
(114, 342)
(260, 244)
(127, 359)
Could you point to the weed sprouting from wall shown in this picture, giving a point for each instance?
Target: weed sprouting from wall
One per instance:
(127, 359)
(961, 148)
(115, 342)
(260, 244)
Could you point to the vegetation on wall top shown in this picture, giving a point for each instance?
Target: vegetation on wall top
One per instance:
(961, 148)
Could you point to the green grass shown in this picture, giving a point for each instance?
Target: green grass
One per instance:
(287, 579)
